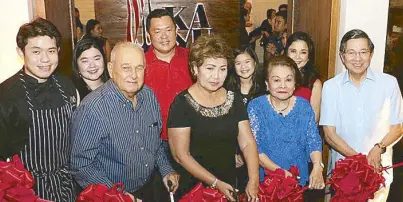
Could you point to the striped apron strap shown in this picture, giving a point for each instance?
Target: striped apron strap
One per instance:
(48, 152)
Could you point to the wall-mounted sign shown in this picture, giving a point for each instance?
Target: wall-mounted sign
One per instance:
(126, 19)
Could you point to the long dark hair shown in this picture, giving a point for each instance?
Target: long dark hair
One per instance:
(233, 81)
(309, 72)
(82, 46)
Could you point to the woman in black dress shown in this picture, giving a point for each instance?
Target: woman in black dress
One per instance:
(206, 122)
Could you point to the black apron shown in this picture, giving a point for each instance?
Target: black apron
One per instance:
(47, 155)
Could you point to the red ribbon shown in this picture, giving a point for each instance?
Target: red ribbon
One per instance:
(353, 179)
(201, 194)
(16, 182)
(101, 193)
(13, 173)
(276, 187)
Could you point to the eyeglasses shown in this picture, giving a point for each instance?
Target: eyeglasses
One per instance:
(363, 54)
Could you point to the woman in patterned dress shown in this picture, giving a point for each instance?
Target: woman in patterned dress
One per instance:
(284, 125)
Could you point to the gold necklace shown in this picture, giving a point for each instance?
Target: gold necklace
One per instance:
(282, 110)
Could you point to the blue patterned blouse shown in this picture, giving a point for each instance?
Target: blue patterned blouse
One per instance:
(285, 140)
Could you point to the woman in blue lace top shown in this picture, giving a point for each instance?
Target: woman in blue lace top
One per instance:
(284, 125)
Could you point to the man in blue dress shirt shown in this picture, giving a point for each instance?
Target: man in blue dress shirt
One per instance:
(116, 130)
(362, 109)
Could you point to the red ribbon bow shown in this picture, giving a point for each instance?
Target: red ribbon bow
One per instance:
(16, 182)
(353, 179)
(202, 194)
(101, 193)
(276, 187)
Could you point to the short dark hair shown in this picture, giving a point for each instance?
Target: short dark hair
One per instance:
(269, 12)
(283, 6)
(158, 13)
(37, 27)
(355, 34)
(91, 23)
(211, 46)
(283, 60)
(283, 14)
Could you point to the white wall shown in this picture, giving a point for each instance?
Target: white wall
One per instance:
(14, 14)
(371, 16)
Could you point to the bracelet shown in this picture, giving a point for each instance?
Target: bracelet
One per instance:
(214, 185)
(382, 146)
(320, 163)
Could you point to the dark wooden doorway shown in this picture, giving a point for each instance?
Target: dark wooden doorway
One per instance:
(320, 19)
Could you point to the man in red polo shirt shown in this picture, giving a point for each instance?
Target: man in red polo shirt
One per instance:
(167, 72)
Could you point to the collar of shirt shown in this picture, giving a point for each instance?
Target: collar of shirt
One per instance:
(369, 76)
(151, 57)
(113, 89)
(33, 84)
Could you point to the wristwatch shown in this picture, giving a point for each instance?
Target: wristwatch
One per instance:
(214, 185)
(382, 146)
(320, 163)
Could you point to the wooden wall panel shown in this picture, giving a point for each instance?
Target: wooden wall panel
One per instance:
(222, 16)
(59, 13)
(319, 18)
(113, 16)
(395, 3)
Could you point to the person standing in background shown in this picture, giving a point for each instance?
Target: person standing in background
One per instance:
(167, 72)
(300, 48)
(282, 7)
(274, 45)
(246, 79)
(79, 25)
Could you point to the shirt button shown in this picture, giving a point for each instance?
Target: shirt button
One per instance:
(137, 131)
(124, 105)
(142, 148)
(146, 165)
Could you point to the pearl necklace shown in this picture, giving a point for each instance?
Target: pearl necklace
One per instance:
(277, 110)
